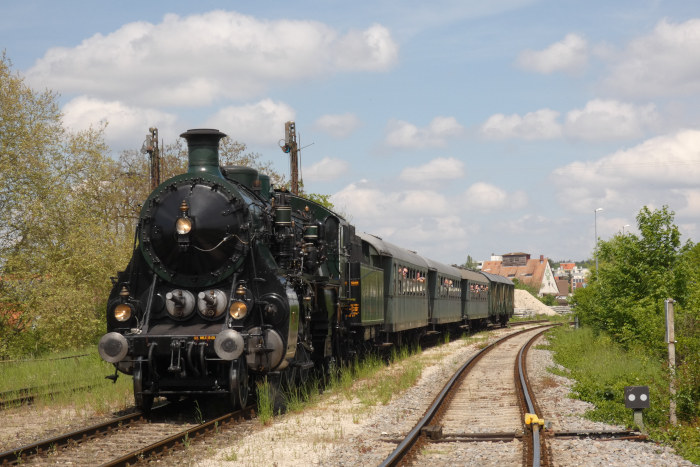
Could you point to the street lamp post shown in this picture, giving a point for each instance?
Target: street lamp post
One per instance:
(595, 231)
(623, 229)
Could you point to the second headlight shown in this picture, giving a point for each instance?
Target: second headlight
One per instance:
(238, 310)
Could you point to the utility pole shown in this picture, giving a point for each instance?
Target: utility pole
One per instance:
(150, 146)
(290, 147)
(671, 341)
(595, 232)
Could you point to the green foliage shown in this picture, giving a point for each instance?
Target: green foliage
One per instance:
(549, 300)
(523, 286)
(266, 402)
(79, 379)
(470, 263)
(625, 300)
(602, 368)
(323, 200)
(30, 135)
(636, 274)
(59, 242)
(297, 398)
(685, 440)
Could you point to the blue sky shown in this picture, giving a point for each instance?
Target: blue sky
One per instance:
(452, 128)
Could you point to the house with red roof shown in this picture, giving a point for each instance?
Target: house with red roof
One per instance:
(536, 273)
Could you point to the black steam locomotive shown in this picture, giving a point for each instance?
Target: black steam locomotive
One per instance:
(231, 281)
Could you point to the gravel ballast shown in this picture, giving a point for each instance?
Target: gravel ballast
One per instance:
(339, 432)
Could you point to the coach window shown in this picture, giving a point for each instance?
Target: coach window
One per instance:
(457, 291)
(396, 280)
(399, 289)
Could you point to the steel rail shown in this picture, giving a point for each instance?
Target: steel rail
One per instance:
(163, 445)
(19, 455)
(530, 403)
(410, 441)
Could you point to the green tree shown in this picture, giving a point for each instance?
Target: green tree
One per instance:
(30, 131)
(688, 340)
(625, 299)
(61, 239)
(469, 263)
(634, 277)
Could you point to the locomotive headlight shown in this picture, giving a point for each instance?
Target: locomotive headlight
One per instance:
(183, 225)
(238, 310)
(122, 312)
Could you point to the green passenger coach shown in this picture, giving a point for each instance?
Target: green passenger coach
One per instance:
(501, 298)
(475, 289)
(445, 293)
(405, 284)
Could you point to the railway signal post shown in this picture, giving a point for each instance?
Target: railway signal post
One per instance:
(637, 398)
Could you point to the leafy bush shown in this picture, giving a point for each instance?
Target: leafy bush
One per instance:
(625, 298)
(602, 368)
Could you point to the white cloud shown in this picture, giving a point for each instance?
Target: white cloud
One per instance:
(261, 122)
(364, 201)
(127, 126)
(692, 206)
(326, 169)
(361, 200)
(421, 220)
(442, 168)
(193, 60)
(539, 125)
(425, 203)
(660, 170)
(599, 120)
(338, 126)
(371, 50)
(610, 119)
(568, 55)
(486, 197)
(402, 134)
(661, 63)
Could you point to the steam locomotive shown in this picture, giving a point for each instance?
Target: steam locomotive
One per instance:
(231, 281)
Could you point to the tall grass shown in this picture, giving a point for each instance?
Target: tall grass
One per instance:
(602, 369)
(365, 379)
(265, 401)
(78, 380)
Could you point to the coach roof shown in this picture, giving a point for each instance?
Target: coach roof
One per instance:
(398, 253)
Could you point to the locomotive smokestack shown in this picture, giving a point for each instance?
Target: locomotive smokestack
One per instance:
(203, 150)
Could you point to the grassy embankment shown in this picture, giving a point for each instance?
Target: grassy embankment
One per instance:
(602, 369)
(70, 378)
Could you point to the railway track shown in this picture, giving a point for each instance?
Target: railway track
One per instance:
(465, 412)
(121, 441)
(28, 395)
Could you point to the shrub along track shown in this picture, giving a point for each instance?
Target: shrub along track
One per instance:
(481, 402)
